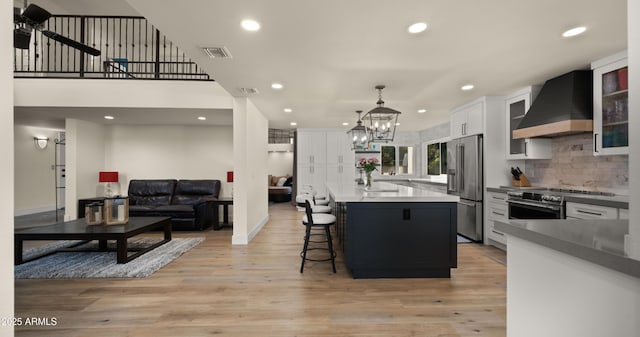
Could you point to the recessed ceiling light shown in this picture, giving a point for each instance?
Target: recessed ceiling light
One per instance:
(287, 110)
(250, 25)
(421, 111)
(276, 86)
(417, 27)
(202, 118)
(574, 31)
(345, 124)
(467, 87)
(109, 117)
(293, 123)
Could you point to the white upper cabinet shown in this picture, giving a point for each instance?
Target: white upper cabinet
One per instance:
(339, 148)
(611, 105)
(517, 105)
(311, 147)
(467, 120)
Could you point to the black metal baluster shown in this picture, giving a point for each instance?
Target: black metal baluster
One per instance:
(157, 70)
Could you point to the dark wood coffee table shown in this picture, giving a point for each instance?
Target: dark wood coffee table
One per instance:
(79, 230)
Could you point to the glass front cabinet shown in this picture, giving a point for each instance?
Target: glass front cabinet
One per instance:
(611, 105)
(517, 105)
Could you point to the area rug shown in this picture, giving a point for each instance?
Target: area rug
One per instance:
(100, 264)
(462, 239)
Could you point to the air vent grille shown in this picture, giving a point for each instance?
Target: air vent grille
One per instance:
(217, 52)
(248, 91)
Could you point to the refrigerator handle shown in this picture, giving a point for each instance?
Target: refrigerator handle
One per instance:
(461, 168)
(451, 180)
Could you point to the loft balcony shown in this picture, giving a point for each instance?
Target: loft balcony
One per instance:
(130, 48)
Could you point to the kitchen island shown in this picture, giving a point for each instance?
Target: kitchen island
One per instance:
(391, 230)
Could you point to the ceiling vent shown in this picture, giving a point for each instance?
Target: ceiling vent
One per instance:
(217, 52)
(248, 91)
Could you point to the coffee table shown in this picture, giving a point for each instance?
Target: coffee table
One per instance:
(79, 230)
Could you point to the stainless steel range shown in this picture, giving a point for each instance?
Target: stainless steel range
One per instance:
(542, 203)
(545, 204)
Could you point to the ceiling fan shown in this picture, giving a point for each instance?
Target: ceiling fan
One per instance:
(33, 18)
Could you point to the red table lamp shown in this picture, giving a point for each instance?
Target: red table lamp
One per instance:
(230, 180)
(108, 177)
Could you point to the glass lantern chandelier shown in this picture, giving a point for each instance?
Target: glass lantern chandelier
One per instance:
(359, 134)
(381, 121)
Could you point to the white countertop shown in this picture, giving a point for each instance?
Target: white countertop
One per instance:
(386, 192)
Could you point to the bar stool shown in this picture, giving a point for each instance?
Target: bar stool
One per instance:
(308, 189)
(317, 221)
(300, 198)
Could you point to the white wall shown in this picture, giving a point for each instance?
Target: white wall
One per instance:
(6, 178)
(47, 92)
(169, 152)
(35, 189)
(280, 163)
(633, 22)
(250, 184)
(85, 157)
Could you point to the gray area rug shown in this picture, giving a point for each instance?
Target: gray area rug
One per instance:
(100, 264)
(462, 239)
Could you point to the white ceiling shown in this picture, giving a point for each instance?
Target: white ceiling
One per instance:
(330, 54)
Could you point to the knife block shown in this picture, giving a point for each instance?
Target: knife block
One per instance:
(523, 182)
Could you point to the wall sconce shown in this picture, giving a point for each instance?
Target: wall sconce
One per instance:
(41, 142)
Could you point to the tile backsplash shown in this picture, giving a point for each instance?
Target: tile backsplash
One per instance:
(574, 166)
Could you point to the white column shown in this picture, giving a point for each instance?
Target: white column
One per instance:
(250, 192)
(6, 152)
(633, 36)
(240, 236)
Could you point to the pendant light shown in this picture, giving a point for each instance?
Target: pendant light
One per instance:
(359, 135)
(382, 121)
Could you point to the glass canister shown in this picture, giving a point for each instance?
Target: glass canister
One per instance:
(116, 210)
(93, 213)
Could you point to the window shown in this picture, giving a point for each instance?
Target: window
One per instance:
(388, 164)
(397, 160)
(436, 159)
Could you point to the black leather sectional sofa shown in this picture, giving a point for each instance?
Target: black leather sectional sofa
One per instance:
(189, 203)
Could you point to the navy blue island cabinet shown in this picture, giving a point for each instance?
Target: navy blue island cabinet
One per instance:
(398, 239)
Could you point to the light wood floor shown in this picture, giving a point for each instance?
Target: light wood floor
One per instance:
(257, 290)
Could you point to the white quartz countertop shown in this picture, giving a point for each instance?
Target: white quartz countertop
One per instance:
(386, 192)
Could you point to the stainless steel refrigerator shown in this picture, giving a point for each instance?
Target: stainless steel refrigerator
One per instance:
(465, 179)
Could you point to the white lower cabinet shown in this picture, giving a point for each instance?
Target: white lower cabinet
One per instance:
(590, 212)
(497, 210)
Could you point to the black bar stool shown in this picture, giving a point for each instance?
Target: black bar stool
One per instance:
(317, 221)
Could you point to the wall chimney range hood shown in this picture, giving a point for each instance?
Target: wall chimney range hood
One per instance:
(563, 106)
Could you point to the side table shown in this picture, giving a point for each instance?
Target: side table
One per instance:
(224, 202)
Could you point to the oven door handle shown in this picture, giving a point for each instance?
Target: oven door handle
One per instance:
(533, 204)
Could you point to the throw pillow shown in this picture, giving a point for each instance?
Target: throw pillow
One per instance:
(281, 181)
(289, 182)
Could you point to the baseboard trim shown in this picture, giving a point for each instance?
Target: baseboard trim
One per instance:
(27, 211)
(240, 239)
(258, 228)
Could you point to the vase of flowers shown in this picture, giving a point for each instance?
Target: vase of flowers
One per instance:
(368, 165)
